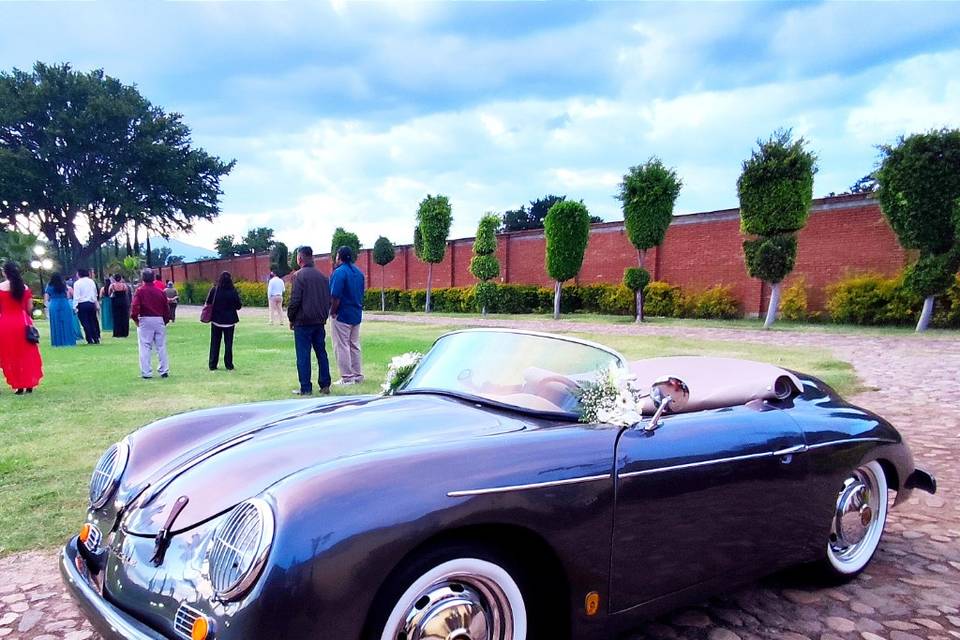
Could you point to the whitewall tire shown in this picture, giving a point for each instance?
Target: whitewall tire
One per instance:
(860, 514)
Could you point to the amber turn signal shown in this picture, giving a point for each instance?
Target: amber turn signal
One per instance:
(591, 603)
(85, 533)
(201, 629)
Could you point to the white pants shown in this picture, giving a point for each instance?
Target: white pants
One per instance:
(152, 334)
(276, 309)
(346, 347)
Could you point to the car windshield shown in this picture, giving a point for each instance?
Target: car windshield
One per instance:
(525, 370)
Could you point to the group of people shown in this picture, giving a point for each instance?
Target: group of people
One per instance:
(78, 309)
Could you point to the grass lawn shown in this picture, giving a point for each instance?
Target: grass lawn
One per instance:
(92, 395)
(739, 323)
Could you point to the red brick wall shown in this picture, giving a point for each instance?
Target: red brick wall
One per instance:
(845, 234)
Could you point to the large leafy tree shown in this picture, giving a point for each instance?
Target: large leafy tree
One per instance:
(919, 192)
(225, 246)
(434, 216)
(532, 218)
(647, 193)
(84, 157)
(383, 254)
(567, 230)
(280, 258)
(775, 190)
(259, 239)
(344, 238)
(484, 265)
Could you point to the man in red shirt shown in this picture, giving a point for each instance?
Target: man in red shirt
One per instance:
(151, 313)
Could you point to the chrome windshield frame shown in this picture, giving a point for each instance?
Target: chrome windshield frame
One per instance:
(539, 334)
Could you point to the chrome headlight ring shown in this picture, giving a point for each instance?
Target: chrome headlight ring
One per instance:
(106, 475)
(239, 548)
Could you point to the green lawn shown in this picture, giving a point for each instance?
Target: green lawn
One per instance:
(92, 395)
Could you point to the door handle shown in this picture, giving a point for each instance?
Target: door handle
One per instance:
(786, 455)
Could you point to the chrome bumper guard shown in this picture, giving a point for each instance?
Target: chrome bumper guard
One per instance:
(108, 620)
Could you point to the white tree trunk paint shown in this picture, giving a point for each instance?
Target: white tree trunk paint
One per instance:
(429, 283)
(383, 295)
(556, 301)
(926, 314)
(774, 304)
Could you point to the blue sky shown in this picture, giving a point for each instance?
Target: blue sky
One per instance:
(344, 114)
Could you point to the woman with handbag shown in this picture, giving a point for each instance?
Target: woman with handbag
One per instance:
(19, 350)
(220, 310)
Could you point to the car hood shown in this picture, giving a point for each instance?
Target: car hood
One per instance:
(238, 463)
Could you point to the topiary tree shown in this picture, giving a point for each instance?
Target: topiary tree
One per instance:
(566, 229)
(775, 190)
(280, 259)
(648, 193)
(919, 193)
(383, 254)
(343, 238)
(433, 217)
(294, 265)
(484, 265)
(636, 279)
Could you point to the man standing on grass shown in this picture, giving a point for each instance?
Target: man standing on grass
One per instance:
(151, 313)
(307, 311)
(85, 298)
(346, 309)
(275, 289)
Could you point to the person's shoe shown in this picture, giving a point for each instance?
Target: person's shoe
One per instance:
(18, 392)
(230, 368)
(30, 390)
(298, 392)
(147, 377)
(342, 382)
(324, 391)
(213, 368)
(164, 375)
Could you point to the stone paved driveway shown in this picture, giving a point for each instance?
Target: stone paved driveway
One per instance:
(910, 591)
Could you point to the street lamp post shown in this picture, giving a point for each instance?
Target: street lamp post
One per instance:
(41, 264)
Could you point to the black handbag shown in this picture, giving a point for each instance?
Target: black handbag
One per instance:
(32, 334)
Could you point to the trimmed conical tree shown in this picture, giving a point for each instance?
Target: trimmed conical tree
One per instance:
(484, 265)
(648, 193)
(775, 190)
(919, 193)
(434, 217)
(383, 254)
(567, 230)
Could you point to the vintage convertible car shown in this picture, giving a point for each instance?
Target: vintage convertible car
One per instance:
(472, 504)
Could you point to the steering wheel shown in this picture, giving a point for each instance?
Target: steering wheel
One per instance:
(569, 384)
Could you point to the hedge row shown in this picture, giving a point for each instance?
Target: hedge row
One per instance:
(252, 294)
(662, 300)
(875, 300)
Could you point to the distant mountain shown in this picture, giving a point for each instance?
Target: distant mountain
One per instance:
(189, 252)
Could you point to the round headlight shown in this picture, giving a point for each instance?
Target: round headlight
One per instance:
(239, 548)
(106, 475)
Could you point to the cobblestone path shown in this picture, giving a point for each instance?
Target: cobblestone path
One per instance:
(910, 591)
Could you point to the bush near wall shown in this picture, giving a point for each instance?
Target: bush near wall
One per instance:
(607, 299)
(871, 299)
(252, 294)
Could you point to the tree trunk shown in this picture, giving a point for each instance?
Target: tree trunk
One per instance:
(926, 314)
(640, 305)
(383, 292)
(774, 304)
(429, 283)
(484, 311)
(556, 300)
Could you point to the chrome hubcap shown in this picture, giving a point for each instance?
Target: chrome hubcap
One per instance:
(458, 608)
(855, 514)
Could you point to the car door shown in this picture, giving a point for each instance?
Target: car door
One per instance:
(707, 494)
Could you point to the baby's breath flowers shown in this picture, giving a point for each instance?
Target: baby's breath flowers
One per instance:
(614, 398)
(399, 370)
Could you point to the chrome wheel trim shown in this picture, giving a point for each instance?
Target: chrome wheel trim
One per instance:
(859, 516)
(462, 599)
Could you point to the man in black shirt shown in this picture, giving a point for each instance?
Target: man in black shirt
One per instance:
(308, 311)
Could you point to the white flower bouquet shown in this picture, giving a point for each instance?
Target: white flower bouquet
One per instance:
(399, 370)
(616, 397)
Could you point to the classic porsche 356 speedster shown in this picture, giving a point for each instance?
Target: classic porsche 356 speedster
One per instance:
(472, 503)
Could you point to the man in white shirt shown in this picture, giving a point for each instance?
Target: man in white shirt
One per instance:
(88, 306)
(275, 289)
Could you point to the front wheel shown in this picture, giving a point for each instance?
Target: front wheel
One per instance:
(858, 520)
(456, 595)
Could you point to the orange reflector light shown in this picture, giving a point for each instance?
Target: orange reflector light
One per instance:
(85, 532)
(201, 628)
(591, 603)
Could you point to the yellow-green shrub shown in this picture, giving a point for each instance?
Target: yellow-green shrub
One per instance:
(793, 303)
(662, 299)
(716, 302)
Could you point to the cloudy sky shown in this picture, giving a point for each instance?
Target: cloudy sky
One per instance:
(346, 114)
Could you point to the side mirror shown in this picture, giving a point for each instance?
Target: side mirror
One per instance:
(669, 394)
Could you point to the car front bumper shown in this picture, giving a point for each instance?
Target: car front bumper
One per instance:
(108, 620)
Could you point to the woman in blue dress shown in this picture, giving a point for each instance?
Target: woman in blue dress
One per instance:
(106, 309)
(60, 313)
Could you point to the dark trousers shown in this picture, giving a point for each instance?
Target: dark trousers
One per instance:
(216, 333)
(173, 312)
(87, 314)
(309, 337)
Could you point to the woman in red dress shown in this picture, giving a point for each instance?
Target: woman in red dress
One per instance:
(19, 358)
